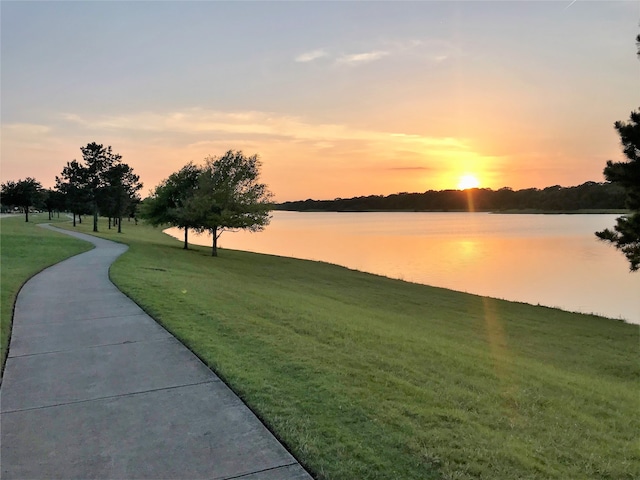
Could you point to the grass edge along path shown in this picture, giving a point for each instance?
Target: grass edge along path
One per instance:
(366, 377)
(25, 250)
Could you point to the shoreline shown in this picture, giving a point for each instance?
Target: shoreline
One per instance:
(573, 303)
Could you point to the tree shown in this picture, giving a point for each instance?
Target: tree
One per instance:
(625, 235)
(119, 191)
(98, 160)
(53, 200)
(167, 205)
(87, 183)
(229, 196)
(73, 185)
(23, 193)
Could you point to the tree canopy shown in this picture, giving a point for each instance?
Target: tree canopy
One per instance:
(23, 193)
(98, 161)
(120, 190)
(72, 184)
(53, 200)
(625, 235)
(223, 194)
(167, 204)
(230, 197)
(102, 183)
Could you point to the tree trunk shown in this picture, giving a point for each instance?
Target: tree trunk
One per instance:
(186, 235)
(119, 224)
(26, 214)
(49, 214)
(214, 247)
(95, 217)
(79, 218)
(74, 219)
(109, 223)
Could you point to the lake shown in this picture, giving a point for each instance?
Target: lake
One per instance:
(552, 260)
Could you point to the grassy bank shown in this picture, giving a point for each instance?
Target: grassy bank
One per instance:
(365, 377)
(24, 251)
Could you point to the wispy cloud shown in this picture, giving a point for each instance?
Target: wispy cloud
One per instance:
(294, 146)
(432, 50)
(254, 124)
(414, 168)
(25, 129)
(312, 55)
(361, 58)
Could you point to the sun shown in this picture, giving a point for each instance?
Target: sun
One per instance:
(468, 181)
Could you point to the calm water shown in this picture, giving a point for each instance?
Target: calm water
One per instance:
(552, 260)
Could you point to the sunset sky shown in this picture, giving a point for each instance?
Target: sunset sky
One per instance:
(338, 98)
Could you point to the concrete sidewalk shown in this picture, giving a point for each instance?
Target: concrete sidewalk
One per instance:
(95, 388)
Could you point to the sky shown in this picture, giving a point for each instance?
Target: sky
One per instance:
(338, 99)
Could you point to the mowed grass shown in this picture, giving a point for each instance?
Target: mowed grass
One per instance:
(364, 377)
(26, 249)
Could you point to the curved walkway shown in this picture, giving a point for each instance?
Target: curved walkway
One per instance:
(95, 388)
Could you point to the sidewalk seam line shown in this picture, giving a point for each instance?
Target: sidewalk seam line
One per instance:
(126, 342)
(142, 312)
(257, 471)
(110, 397)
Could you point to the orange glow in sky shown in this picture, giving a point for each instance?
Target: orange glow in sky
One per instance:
(468, 181)
(420, 96)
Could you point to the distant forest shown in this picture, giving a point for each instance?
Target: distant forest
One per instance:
(588, 196)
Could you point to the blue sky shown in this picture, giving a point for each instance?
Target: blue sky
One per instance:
(338, 98)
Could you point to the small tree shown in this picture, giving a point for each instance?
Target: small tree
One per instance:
(98, 160)
(73, 185)
(23, 193)
(167, 205)
(86, 183)
(119, 191)
(625, 235)
(53, 200)
(229, 196)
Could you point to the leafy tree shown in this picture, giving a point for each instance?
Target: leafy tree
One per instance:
(132, 210)
(73, 185)
(119, 191)
(229, 196)
(625, 235)
(23, 193)
(88, 183)
(98, 160)
(167, 205)
(53, 200)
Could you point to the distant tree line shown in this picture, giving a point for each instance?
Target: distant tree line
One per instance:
(99, 184)
(589, 195)
(21, 195)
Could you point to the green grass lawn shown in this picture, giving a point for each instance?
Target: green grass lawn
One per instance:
(364, 377)
(25, 250)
